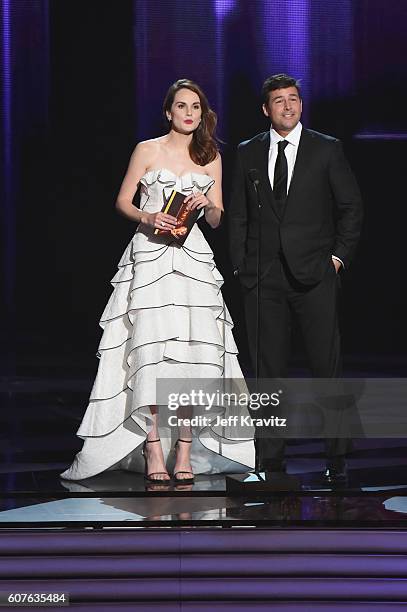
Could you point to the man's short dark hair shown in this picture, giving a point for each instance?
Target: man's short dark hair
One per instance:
(278, 81)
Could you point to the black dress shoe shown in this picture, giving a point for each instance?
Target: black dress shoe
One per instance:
(336, 472)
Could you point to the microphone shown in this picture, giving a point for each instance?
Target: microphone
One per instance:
(254, 176)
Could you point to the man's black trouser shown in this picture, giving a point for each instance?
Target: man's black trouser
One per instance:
(315, 309)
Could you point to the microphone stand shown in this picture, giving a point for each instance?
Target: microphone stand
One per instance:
(258, 272)
(253, 175)
(240, 483)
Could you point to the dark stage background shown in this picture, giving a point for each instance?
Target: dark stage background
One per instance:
(82, 82)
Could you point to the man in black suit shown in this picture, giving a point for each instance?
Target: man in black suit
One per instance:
(296, 233)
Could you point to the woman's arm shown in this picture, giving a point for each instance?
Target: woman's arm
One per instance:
(212, 201)
(140, 160)
(136, 169)
(214, 210)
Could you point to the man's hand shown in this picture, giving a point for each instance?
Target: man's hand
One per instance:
(337, 264)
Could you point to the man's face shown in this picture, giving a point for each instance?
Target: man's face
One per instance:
(284, 109)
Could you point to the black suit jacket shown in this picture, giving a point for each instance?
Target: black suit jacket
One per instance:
(322, 216)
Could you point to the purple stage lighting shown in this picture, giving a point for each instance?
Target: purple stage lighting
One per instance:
(285, 29)
(223, 7)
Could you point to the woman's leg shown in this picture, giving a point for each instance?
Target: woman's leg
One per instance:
(154, 452)
(183, 447)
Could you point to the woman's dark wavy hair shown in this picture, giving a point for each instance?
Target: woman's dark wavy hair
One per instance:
(203, 147)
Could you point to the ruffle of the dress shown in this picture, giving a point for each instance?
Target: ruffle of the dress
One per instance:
(187, 182)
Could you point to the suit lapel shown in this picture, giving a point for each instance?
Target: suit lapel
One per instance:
(301, 164)
(263, 165)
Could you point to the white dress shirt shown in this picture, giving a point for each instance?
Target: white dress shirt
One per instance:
(293, 139)
(291, 150)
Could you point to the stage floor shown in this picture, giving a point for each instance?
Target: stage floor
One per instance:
(39, 419)
(375, 497)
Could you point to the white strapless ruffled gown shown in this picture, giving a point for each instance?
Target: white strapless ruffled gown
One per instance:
(166, 318)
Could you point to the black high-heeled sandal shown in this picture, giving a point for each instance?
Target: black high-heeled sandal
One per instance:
(148, 476)
(183, 481)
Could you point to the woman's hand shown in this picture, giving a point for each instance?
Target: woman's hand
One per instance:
(198, 200)
(159, 220)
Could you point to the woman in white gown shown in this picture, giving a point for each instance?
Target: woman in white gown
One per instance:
(166, 318)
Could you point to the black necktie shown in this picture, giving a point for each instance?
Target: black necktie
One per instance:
(280, 176)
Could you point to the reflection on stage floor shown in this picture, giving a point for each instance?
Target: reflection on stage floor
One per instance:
(41, 498)
(384, 510)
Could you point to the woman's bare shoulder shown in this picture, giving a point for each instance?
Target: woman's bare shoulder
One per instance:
(152, 144)
(148, 150)
(214, 166)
